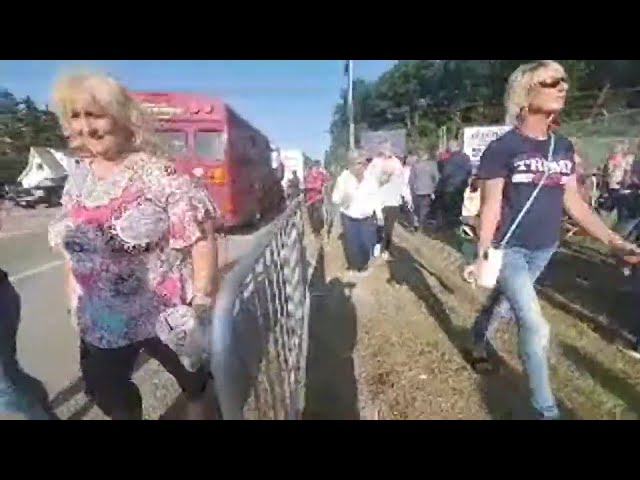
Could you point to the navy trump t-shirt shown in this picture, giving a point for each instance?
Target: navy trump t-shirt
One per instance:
(520, 160)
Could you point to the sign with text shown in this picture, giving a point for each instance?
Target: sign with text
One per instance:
(476, 139)
(373, 142)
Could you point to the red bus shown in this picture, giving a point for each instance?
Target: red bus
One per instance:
(209, 140)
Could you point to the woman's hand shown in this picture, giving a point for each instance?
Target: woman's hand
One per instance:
(627, 250)
(202, 306)
(470, 273)
(631, 259)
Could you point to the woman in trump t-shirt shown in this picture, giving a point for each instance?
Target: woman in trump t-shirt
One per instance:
(511, 168)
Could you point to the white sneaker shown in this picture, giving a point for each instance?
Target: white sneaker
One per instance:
(353, 275)
(376, 250)
(631, 351)
(385, 256)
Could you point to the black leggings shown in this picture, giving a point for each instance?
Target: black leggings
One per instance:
(316, 216)
(390, 215)
(107, 375)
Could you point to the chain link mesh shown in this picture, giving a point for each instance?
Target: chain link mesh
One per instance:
(259, 329)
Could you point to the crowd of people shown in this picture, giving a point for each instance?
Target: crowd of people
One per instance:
(431, 189)
(513, 206)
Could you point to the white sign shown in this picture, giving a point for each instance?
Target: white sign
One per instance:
(372, 142)
(292, 160)
(476, 139)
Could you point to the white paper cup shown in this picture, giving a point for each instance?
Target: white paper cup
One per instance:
(489, 268)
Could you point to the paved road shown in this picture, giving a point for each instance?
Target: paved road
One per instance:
(47, 342)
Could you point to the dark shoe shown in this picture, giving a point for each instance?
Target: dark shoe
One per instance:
(479, 361)
(542, 416)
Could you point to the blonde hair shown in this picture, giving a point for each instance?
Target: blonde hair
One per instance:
(110, 95)
(516, 96)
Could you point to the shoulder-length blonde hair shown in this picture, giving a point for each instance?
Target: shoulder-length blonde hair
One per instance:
(516, 97)
(110, 95)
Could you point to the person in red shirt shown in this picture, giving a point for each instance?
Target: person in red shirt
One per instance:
(315, 182)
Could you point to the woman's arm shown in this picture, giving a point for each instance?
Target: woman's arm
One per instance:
(490, 209)
(69, 284)
(205, 263)
(582, 214)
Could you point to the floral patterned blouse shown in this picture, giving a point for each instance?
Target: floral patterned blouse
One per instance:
(128, 240)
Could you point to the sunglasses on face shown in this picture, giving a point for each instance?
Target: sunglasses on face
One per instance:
(552, 83)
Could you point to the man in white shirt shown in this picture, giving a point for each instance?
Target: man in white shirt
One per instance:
(356, 194)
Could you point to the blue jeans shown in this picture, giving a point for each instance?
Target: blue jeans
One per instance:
(359, 239)
(515, 298)
(14, 400)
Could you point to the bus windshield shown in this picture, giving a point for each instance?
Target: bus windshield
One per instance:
(209, 145)
(172, 142)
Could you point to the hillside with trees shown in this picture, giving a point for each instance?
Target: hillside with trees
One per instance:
(23, 125)
(425, 95)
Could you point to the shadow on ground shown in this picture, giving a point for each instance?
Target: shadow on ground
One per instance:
(607, 378)
(331, 387)
(177, 410)
(582, 276)
(31, 391)
(505, 392)
(593, 283)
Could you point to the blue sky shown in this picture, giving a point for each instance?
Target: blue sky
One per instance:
(291, 101)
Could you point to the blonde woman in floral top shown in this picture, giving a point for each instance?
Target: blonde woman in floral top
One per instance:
(139, 246)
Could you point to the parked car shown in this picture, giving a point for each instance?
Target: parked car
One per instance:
(47, 193)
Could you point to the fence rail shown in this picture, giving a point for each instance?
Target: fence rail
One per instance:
(258, 338)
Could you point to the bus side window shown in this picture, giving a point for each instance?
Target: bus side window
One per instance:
(210, 145)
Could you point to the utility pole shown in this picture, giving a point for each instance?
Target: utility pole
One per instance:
(352, 132)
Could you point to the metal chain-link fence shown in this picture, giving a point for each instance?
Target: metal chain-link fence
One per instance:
(259, 326)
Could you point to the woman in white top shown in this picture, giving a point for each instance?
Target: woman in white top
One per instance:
(388, 172)
(356, 195)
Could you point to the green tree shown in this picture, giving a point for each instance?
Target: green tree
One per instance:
(8, 102)
(425, 95)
